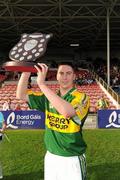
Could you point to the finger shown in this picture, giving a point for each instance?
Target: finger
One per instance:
(44, 67)
(38, 69)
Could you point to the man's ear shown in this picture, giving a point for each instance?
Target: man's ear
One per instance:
(74, 76)
(57, 76)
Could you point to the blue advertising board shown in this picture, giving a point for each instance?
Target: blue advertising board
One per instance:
(109, 119)
(30, 119)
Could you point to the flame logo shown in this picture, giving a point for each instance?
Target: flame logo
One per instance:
(112, 119)
(10, 120)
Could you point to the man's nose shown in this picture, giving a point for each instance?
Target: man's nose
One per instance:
(65, 76)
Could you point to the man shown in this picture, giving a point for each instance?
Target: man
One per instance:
(7, 105)
(2, 128)
(2, 125)
(102, 103)
(65, 112)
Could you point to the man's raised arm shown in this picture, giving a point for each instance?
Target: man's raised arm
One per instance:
(21, 92)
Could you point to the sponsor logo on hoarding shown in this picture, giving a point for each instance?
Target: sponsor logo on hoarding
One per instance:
(112, 120)
(10, 121)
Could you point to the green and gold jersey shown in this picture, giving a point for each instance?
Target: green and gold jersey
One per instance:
(63, 136)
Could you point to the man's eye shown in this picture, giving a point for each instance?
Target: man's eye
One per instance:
(69, 73)
(61, 73)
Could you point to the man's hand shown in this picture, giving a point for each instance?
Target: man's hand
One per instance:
(1, 131)
(42, 70)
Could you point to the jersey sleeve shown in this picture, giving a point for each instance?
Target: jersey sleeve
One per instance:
(81, 104)
(36, 100)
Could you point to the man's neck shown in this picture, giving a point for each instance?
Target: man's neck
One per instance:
(64, 91)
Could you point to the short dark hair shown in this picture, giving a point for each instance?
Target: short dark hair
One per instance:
(68, 64)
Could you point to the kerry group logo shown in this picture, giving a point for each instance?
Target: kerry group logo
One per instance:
(114, 120)
(10, 121)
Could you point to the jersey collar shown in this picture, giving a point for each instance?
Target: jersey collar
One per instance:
(71, 90)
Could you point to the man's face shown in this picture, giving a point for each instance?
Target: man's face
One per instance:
(65, 76)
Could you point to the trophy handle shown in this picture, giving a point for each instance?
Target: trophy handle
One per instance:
(20, 66)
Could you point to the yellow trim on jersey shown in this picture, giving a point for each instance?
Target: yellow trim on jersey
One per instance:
(59, 123)
(38, 93)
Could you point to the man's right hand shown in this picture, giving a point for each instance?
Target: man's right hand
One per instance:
(42, 70)
(1, 130)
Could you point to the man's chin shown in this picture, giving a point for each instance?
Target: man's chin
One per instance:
(65, 86)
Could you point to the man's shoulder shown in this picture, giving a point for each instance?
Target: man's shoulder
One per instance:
(79, 94)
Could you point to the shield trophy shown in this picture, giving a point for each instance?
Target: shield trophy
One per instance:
(25, 53)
